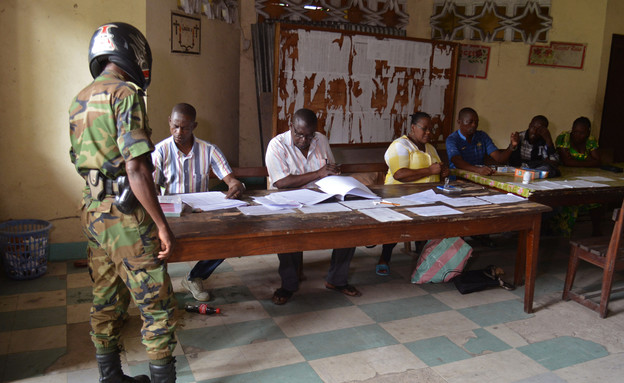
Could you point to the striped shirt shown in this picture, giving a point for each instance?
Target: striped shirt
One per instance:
(283, 158)
(178, 173)
(403, 153)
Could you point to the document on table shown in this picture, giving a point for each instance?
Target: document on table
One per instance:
(542, 185)
(586, 184)
(276, 202)
(340, 186)
(263, 210)
(385, 215)
(502, 198)
(426, 197)
(397, 201)
(359, 204)
(465, 201)
(331, 207)
(305, 197)
(207, 201)
(431, 211)
(595, 178)
(386, 202)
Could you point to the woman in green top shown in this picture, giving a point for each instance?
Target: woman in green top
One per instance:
(578, 147)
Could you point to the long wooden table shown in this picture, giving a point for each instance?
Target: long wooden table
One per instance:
(229, 233)
(613, 192)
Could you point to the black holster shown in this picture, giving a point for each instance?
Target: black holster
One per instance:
(100, 187)
(125, 200)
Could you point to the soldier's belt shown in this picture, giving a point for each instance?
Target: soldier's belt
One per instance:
(101, 187)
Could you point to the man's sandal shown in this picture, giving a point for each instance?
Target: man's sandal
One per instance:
(281, 296)
(346, 289)
(382, 270)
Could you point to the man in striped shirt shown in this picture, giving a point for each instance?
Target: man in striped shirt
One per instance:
(296, 159)
(182, 164)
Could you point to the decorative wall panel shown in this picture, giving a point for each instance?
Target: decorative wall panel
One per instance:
(494, 20)
(380, 13)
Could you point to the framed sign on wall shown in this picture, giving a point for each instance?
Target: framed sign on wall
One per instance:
(185, 34)
(558, 54)
(474, 61)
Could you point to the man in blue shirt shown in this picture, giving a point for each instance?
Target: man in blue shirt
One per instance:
(467, 147)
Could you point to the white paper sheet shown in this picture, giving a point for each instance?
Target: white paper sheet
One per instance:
(305, 197)
(385, 215)
(595, 178)
(207, 201)
(426, 197)
(398, 201)
(465, 201)
(331, 207)
(502, 198)
(359, 204)
(263, 210)
(431, 211)
(586, 184)
(277, 202)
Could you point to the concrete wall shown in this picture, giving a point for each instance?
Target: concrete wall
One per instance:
(208, 81)
(44, 47)
(44, 56)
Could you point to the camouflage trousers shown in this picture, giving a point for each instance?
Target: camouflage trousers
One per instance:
(122, 253)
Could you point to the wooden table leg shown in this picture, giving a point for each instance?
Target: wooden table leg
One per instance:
(532, 247)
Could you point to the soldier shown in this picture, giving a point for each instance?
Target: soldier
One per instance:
(129, 239)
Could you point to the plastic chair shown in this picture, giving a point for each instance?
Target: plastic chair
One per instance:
(604, 252)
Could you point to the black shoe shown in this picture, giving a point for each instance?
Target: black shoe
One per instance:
(163, 374)
(110, 370)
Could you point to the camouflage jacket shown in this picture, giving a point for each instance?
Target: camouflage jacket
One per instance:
(107, 127)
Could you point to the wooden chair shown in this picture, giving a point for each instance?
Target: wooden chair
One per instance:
(604, 252)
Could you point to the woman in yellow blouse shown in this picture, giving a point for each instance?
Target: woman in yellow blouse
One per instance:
(411, 159)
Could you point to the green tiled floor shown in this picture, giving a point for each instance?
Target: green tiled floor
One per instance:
(394, 332)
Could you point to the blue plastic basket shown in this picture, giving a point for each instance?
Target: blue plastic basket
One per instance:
(25, 247)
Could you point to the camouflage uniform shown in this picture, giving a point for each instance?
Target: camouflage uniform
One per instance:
(108, 126)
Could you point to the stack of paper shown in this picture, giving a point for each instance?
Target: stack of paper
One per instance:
(171, 205)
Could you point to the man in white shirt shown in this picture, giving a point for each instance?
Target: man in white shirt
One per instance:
(296, 159)
(182, 164)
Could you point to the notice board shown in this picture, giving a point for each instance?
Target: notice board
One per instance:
(363, 87)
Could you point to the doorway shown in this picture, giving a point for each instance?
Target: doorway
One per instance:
(612, 129)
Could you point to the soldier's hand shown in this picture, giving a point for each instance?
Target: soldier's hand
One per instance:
(167, 243)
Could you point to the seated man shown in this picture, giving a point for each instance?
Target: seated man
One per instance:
(182, 164)
(295, 159)
(411, 159)
(537, 149)
(467, 147)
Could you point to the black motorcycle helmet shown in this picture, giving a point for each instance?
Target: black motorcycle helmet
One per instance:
(124, 45)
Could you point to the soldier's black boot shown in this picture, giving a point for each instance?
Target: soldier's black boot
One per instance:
(163, 374)
(110, 370)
